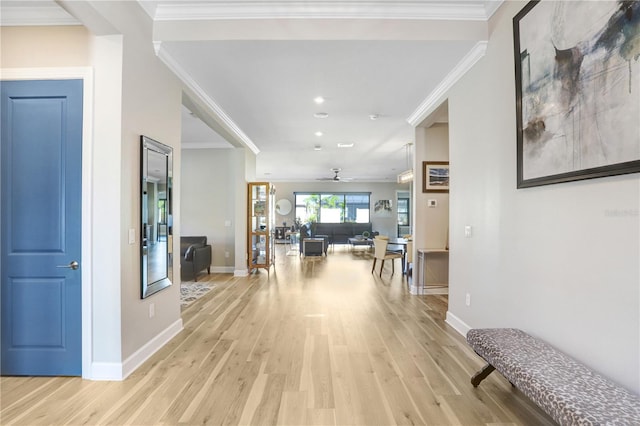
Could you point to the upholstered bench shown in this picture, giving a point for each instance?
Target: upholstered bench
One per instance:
(570, 392)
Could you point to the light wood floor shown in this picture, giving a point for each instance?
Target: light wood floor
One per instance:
(319, 341)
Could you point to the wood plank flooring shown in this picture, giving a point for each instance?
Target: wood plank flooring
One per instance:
(318, 341)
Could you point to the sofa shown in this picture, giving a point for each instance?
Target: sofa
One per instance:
(195, 255)
(334, 233)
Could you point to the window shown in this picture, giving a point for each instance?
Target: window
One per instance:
(357, 208)
(333, 207)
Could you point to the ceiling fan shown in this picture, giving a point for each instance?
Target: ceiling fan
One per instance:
(336, 178)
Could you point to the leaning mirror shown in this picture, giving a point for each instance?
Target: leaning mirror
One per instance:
(156, 216)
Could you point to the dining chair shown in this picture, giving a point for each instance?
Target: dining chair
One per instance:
(380, 252)
(409, 257)
(395, 249)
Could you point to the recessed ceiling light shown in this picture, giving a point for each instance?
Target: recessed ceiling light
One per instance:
(318, 100)
(267, 173)
(317, 148)
(321, 115)
(374, 117)
(345, 145)
(318, 134)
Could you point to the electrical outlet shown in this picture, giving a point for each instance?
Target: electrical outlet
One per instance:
(152, 310)
(132, 236)
(432, 203)
(468, 299)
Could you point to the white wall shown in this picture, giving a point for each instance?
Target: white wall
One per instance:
(106, 58)
(151, 106)
(559, 261)
(208, 200)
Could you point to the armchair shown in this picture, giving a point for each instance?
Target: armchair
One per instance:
(195, 255)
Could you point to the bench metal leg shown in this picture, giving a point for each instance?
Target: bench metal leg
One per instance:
(482, 374)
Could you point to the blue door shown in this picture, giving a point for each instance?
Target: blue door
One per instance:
(41, 227)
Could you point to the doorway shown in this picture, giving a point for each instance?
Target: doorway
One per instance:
(403, 201)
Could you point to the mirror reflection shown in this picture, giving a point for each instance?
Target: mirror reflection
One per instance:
(156, 216)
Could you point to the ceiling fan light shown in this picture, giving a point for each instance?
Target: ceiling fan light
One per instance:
(406, 176)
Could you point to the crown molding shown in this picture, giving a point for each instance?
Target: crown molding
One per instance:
(438, 95)
(13, 14)
(217, 111)
(491, 6)
(148, 7)
(469, 10)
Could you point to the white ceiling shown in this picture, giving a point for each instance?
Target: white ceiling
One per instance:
(269, 87)
(252, 69)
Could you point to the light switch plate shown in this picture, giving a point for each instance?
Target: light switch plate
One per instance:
(467, 231)
(132, 236)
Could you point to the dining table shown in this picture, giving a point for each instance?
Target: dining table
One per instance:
(402, 242)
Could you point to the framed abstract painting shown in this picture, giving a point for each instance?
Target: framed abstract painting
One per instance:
(435, 176)
(577, 90)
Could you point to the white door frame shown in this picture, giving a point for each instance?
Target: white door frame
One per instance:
(86, 75)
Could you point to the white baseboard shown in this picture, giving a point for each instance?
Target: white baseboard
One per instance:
(111, 371)
(222, 269)
(114, 371)
(414, 289)
(459, 325)
(431, 289)
(151, 347)
(241, 273)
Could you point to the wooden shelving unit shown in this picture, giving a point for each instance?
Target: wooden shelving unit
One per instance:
(261, 222)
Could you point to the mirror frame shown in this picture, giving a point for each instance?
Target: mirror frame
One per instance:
(283, 207)
(147, 144)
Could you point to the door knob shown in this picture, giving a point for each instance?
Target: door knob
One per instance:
(72, 265)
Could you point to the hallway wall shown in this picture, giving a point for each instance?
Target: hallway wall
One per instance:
(559, 261)
(208, 202)
(133, 94)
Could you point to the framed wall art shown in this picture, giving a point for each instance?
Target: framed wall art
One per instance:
(577, 90)
(435, 176)
(382, 208)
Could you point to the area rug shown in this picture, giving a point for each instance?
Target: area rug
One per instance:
(191, 291)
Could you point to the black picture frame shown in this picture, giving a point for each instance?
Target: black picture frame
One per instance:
(575, 117)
